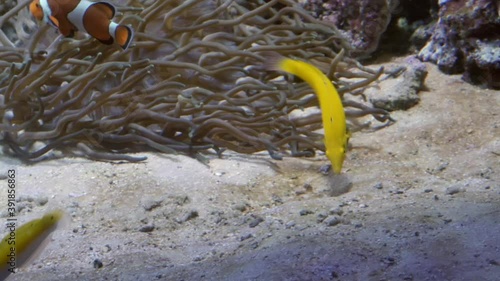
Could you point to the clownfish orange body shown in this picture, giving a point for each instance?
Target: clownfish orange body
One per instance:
(82, 15)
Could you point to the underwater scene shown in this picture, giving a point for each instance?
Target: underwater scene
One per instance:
(250, 140)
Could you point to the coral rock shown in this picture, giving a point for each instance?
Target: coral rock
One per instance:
(467, 39)
(362, 22)
(400, 93)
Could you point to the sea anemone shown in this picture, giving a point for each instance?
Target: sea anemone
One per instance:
(193, 80)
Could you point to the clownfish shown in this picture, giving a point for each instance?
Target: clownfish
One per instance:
(332, 111)
(25, 243)
(82, 15)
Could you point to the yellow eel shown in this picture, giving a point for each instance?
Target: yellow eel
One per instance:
(332, 111)
(26, 242)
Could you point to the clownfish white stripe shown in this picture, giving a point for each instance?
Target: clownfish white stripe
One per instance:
(46, 12)
(112, 29)
(121, 34)
(76, 16)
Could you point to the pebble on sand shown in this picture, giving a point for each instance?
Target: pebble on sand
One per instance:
(332, 221)
(454, 189)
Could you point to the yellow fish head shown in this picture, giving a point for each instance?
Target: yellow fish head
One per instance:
(336, 152)
(336, 157)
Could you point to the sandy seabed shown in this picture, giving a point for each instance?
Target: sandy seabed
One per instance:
(419, 200)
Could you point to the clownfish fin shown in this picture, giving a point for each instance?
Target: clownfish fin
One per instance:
(53, 21)
(106, 42)
(106, 8)
(66, 31)
(122, 34)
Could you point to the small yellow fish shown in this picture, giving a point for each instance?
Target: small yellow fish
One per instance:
(332, 111)
(27, 243)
